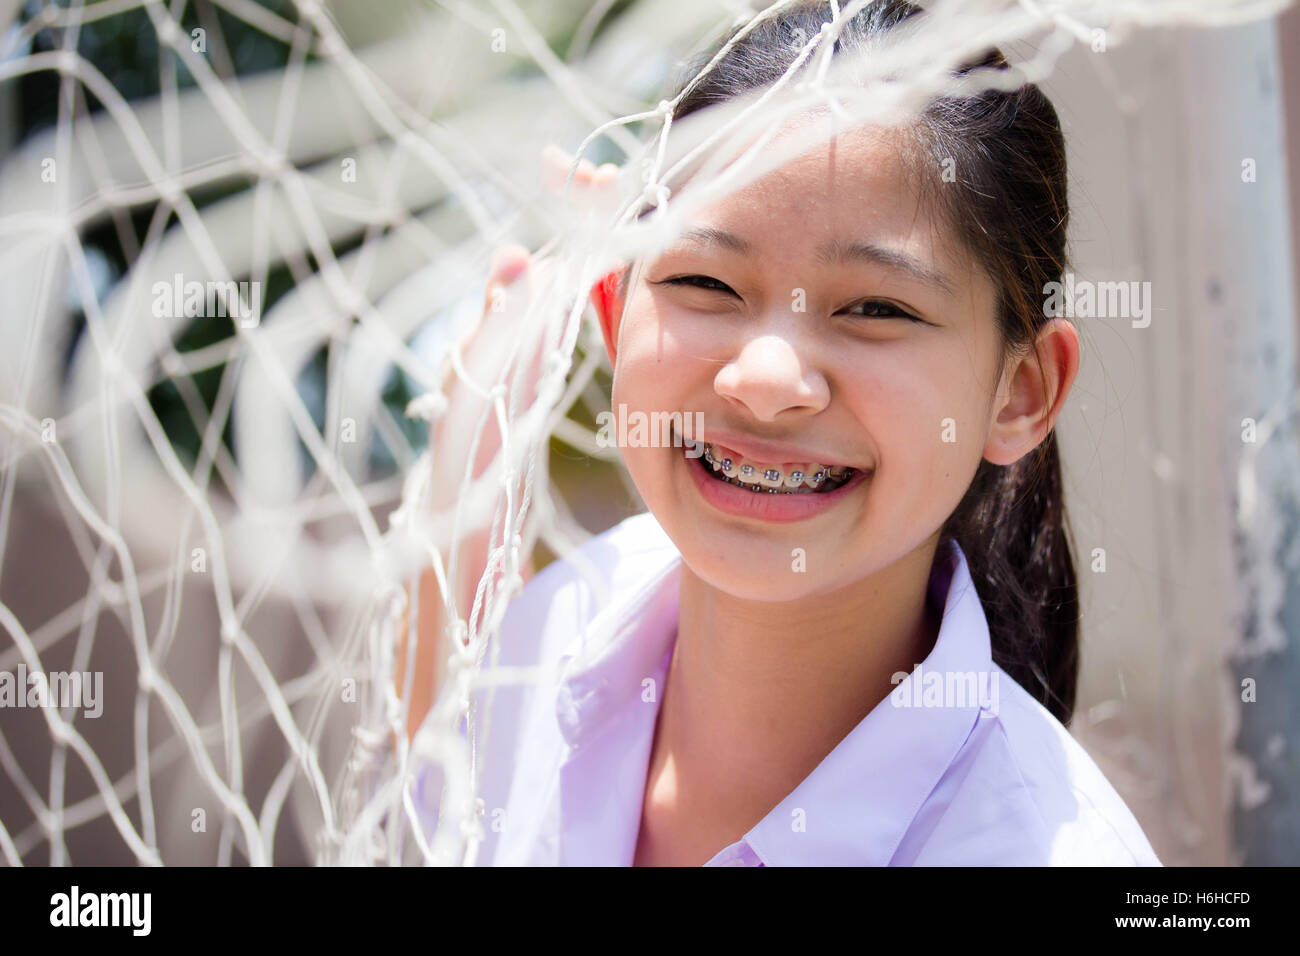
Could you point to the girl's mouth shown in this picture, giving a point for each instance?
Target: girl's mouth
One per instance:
(766, 493)
(811, 479)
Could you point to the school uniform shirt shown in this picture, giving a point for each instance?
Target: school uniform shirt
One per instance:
(993, 779)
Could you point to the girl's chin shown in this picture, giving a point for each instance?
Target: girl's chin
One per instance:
(776, 585)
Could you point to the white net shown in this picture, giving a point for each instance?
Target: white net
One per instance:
(210, 495)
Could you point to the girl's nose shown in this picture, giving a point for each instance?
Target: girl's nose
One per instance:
(769, 377)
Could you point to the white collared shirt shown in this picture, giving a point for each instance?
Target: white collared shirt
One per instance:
(945, 771)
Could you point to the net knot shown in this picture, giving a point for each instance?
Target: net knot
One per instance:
(655, 194)
(459, 632)
(168, 33)
(61, 732)
(430, 406)
(556, 362)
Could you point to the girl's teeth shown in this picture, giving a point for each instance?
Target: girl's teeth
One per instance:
(761, 477)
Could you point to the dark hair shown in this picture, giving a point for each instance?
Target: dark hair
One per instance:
(1008, 208)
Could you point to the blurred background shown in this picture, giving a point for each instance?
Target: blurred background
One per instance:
(358, 160)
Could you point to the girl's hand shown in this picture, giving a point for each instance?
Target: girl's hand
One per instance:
(513, 273)
(504, 302)
(484, 351)
(592, 186)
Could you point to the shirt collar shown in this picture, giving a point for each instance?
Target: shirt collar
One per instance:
(855, 806)
(623, 645)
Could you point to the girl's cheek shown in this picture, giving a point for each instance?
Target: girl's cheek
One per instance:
(926, 428)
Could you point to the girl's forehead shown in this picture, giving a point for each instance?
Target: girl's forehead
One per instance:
(859, 168)
(862, 185)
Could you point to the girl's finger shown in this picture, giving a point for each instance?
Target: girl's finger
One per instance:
(506, 264)
(508, 261)
(555, 168)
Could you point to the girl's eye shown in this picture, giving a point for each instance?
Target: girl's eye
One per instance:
(879, 309)
(872, 308)
(698, 282)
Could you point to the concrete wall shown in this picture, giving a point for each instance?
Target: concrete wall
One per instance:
(1158, 131)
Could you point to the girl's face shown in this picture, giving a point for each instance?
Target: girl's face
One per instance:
(831, 315)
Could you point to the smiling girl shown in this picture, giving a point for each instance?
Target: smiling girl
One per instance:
(877, 487)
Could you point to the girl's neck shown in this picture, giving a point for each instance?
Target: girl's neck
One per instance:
(759, 693)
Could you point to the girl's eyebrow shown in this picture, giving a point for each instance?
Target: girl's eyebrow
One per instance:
(832, 251)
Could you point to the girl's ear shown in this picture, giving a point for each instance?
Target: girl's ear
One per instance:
(609, 308)
(1035, 388)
